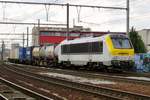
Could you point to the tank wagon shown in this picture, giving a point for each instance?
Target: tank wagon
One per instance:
(111, 51)
(44, 55)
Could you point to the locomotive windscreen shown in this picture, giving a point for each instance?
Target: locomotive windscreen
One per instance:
(121, 42)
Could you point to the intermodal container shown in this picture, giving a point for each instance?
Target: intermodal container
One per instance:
(22, 54)
(14, 53)
(29, 54)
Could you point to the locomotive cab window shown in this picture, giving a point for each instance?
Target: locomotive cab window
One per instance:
(121, 43)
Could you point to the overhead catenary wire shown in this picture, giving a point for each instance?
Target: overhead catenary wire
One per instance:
(91, 23)
(72, 5)
(27, 17)
(29, 23)
(47, 7)
(56, 4)
(14, 28)
(95, 23)
(78, 13)
(4, 10)
(11, 39)
(77, 6)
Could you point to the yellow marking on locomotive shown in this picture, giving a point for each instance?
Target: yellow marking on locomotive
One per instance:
(118, 52)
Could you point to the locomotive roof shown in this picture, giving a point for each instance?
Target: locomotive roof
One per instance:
(88, 39)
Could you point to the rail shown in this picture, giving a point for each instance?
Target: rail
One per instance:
(34, 94)
(95, 75)
(103, 91)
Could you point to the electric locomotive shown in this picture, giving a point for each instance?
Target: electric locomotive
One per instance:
(111, 51)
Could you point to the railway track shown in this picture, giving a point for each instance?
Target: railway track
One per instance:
(7, 77)
(94, 75)
(109, 93)
(30, 95)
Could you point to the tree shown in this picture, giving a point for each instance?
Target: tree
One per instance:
(137, 42)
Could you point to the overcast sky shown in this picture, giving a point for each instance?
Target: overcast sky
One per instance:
(96, 19)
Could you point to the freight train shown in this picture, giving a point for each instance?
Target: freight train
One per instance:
(110, 51)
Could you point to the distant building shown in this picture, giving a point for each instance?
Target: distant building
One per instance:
(145, 35)
(54, 35)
